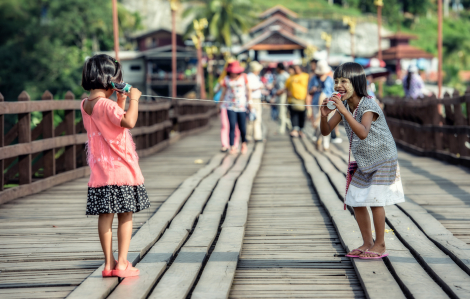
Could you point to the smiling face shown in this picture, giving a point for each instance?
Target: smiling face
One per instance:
(345, 87)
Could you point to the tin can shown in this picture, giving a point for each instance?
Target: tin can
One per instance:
(331, 103)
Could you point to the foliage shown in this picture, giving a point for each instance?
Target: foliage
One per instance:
(44, 43)
(226, 18)
(394, 90)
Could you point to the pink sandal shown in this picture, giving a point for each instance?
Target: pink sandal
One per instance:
(353, 255)
(377, 255)
(108, 273)
(126, 273)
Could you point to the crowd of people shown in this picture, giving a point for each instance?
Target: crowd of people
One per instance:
(293, 94)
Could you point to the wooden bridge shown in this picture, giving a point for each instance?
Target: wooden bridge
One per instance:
(268, 224)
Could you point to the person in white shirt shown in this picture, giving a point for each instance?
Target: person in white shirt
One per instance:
(253, 130)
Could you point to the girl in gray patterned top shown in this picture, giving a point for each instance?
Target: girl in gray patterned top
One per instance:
(376, 182)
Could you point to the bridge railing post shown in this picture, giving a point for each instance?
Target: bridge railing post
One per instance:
(70, 154)
(49, 163)
(2, 142)
(24, 136)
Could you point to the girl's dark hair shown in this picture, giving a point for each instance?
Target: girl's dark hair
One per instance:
(291, 67)
(99, 71)
(408, 80)
(355, 73)
(281, 66)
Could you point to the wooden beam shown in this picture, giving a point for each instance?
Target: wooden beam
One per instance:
(49, 105)
(2, 142)
(48, 132)
(276, 47)
(24, 136)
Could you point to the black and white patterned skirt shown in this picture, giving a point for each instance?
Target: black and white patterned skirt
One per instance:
(116, 199)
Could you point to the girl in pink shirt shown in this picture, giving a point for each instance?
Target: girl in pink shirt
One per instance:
(116, 183)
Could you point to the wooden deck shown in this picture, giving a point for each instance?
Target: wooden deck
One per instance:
(440, 188)
(268, 224)
(49, 246)
(291, 248)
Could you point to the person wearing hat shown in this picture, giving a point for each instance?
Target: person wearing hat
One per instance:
(253, 129)
(413, 84)
(281, 96)
(321, 87)
(225, 125)
(235, 94)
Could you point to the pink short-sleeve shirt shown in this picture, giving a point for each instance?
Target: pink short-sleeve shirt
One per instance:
(111, 151)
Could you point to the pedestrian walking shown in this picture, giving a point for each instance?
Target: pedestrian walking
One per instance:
(413, 84)
(253, 130)
(116, 184)
(374, 178)
(225, 125)
(281, 96)
(235, 94)
(296, 87)
(322, 86)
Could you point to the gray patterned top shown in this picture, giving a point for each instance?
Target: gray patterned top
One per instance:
(379, 145)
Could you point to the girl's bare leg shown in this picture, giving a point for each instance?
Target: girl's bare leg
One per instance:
(124, 238)
(105, 232)
(363, 220)
(379, 223)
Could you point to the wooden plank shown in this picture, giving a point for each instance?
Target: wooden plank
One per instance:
(21, 107)
(421, 285)
(237, 213)
(228, 247)
(450, 276)
(41, 145)
(24, 136)
(205, 232)
(373, 284)
(217, 277)
(438, 233)
(154, 262)
(185, 268)
(2, 144)
(48, 132)
(95, 286)
(38, 186)
(179, 278)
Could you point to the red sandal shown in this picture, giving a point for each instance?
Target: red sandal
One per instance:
(108, 273)
(126, 273)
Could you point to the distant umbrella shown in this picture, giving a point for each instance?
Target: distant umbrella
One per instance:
(377, 72)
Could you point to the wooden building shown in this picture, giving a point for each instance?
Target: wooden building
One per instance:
(155, 48)
(401, 54)
(274, 38)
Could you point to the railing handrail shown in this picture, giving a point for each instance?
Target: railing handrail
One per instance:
(36, 148)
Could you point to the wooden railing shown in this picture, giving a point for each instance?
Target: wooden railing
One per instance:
(35, 159)
(438, 128)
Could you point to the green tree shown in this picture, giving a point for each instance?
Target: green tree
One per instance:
(44, 43)
(226, 18)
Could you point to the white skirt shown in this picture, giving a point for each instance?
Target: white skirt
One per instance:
(375, 195)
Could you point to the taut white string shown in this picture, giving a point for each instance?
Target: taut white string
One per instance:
(202, 100)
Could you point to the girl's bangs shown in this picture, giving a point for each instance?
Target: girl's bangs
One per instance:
(349, 70)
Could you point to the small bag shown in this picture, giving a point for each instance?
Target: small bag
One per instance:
(352, 166)
(298, 105)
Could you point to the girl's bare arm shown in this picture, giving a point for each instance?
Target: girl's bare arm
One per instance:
(129, 119)
(361, 129)
(326, 126)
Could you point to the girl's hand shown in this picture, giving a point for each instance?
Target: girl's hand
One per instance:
(325, 111)
(121, 97)
(135, 94)
(339, 105)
